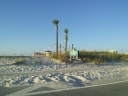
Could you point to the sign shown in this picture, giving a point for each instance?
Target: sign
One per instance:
(74, 53)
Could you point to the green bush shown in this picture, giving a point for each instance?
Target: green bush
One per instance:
(37, 62)
(101, 57)
(96, 57)
(124, 58)
(19, 61)
(61, 56)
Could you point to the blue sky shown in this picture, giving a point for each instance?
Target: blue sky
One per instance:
(26, 25)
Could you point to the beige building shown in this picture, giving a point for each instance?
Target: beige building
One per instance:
(38, 54)
(113, 51)
(47, 53)
(126, 53)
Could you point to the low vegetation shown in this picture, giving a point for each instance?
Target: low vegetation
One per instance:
(61, 56)
(20, 60)
(102, 57)
(96, 57)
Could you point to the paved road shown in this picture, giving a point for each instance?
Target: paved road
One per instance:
(118, 89)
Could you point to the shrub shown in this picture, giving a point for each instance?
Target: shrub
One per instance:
(19, 61)
(61, 56)
(96, 57)
(124, 58)
(37, 62)
(101, 56)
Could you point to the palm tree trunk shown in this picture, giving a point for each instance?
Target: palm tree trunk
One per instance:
(66, 46)
(66, 42)
(57, 41)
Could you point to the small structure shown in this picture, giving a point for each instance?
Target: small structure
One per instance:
(113, 51)
(38, 55)
(47, 53)
(126, 53)
(74, 54)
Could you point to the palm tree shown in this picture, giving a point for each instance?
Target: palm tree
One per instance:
(55, 21)
(66, 38)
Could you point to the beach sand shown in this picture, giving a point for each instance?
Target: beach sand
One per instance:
(58, 75)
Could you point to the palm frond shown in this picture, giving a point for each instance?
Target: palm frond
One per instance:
(55, 21)
(66, 30)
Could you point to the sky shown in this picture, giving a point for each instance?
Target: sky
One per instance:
(26, 25)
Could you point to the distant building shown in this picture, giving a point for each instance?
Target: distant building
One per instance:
(38, 54)
(47, 53)
(126, 53)
(113, 51)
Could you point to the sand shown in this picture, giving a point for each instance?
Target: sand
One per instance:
(54, 74)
